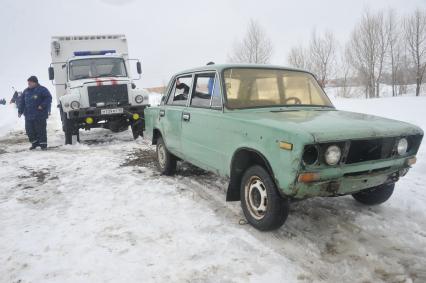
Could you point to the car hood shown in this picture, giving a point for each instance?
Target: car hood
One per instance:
(331, 125)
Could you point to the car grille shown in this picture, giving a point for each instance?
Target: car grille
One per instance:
(373, 149)
(109, 95)
(379, 148)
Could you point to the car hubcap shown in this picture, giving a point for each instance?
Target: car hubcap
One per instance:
(161, 155)
(256, 197)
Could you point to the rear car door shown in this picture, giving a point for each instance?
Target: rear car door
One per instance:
(170, 114)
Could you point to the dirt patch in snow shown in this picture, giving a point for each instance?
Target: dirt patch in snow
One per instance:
(148, 158)
(16, 138)
(41, 175)
(141, 158)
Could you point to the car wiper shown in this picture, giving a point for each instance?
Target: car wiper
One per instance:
(295, 107)
(307, 105)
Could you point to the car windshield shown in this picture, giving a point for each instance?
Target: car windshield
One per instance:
(96, 68)
(257, 87)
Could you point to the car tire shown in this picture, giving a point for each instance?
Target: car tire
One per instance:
(375, 195)
(166, 162)
(262, 205)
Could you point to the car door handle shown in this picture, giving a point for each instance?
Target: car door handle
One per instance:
(162, 113)
(186, 116)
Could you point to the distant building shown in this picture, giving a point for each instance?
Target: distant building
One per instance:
(158, 89)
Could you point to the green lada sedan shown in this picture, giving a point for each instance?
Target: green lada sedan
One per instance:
(278, 138)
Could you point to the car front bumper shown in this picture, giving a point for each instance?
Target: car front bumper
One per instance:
(350, 179)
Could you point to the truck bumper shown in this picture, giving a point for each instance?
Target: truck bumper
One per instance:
(351, 179)
(128, 111)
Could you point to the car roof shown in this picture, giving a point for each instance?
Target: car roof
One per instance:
(221, 67)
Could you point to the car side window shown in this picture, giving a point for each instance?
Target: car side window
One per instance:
(216, 96)
(202, 93)
(180, 91)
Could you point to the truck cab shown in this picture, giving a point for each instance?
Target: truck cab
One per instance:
(94, 85)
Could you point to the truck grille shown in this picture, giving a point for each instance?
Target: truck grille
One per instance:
(110, 95)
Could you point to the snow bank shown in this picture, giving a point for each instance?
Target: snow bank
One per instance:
(9, 119)
(155, 98)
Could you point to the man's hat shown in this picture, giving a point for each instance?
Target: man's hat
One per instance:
(33, 79)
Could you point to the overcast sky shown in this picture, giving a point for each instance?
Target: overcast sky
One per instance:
(168, 36)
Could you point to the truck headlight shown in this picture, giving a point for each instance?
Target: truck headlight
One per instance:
(402, 146)
(139, 99)
(332, 155)
(75, 105)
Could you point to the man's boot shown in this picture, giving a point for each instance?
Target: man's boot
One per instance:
(34, 146)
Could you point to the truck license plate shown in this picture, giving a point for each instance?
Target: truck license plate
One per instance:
(111, 111)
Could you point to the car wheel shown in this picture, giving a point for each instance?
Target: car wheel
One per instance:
(375, 195)
(262, 205)
(166, 162)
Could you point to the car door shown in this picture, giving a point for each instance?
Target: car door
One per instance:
(201, 123)
(170, 114)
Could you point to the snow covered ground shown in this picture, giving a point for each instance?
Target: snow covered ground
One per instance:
(99, 212)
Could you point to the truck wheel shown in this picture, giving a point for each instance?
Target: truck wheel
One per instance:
(166, 162)
(69, 129)
(375, 195)
(262, 205)
(137, 130)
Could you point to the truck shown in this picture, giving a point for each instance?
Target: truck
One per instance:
(94, 87)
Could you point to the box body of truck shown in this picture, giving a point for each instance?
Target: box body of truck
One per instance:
(94, 87)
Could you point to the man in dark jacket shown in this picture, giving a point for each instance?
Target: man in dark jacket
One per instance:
(35, 105)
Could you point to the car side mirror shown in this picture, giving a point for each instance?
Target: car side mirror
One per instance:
(51, 74)
(163, 98)
(133, 86)
(139, 67)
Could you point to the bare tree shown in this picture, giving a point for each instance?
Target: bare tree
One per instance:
(344, 71)
(367, 49)
(415, 35)
(256, 47)
(322, 53)
(395, 49)
(299, 58)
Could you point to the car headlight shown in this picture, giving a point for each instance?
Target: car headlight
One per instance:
(310, 155)
(139, 99)
(402, 146)
(333, 154)
(75, 105)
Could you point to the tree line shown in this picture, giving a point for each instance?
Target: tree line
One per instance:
(383, 47)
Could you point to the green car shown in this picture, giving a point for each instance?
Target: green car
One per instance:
(278, 138)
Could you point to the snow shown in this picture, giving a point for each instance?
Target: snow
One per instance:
(9, 119)
(99, 212)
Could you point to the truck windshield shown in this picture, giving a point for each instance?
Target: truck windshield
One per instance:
(96, 68)
(257, 87)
